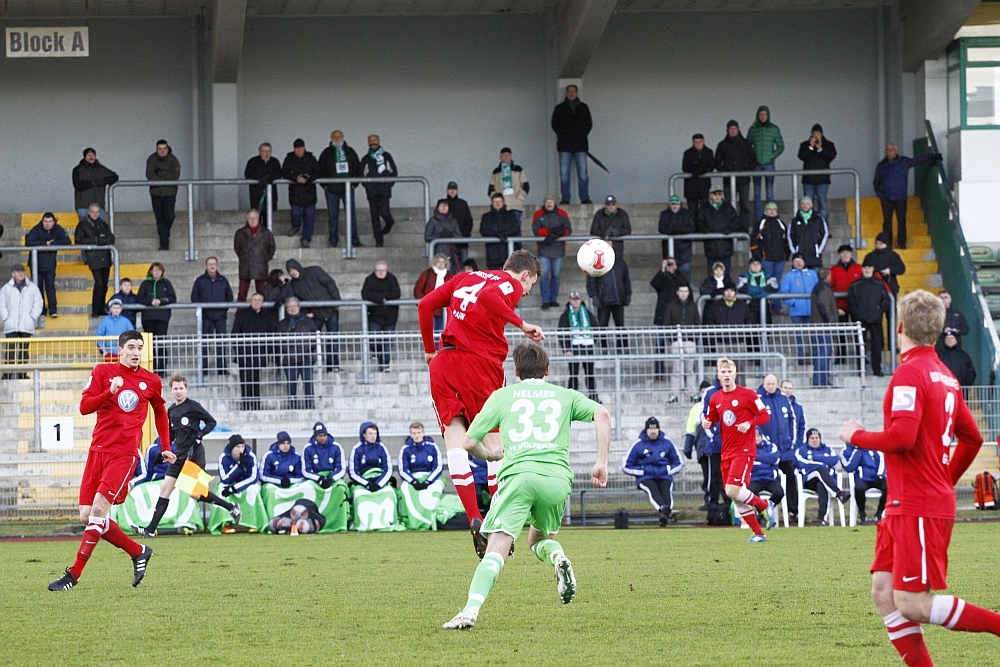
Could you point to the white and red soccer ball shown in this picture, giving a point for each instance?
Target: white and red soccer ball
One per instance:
(596, 257)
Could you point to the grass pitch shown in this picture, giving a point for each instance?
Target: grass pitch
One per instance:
(679, 596)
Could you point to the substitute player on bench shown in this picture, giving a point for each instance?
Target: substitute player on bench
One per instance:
(922, 412)
(119, 394)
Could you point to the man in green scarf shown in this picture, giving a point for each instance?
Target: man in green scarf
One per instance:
(378, 163)
(510, 180)
(578, 341)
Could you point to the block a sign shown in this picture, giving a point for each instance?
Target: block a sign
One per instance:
(61, 42)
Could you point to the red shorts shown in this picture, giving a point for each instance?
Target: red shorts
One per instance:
(736, 470)
(460, 384)
(108, 474)
(915, 550)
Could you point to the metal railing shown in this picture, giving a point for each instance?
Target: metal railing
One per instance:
(192, 253)
(794, 174)
(34, 250)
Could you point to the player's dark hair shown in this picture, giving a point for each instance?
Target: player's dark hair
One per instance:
(178, 377)
(523, 260)
(531, 361)
(126, 336)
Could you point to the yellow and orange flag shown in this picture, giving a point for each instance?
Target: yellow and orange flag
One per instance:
(193, 480)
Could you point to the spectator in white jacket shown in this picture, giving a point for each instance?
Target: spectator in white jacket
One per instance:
(20, 307)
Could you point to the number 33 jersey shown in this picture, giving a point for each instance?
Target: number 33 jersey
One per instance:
(534, 419)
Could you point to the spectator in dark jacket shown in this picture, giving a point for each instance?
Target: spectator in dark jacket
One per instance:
(610, 293)
(677, 220)
(93, 230)
(816, 461)
(501, 223)
(734, 153)
(727, 311)
(612, 221)
(297, 355)
(265, 169)
(957, 360)
(572, 123)
(156, 291)
(251, 354)
(459, 209)
(125, 295)
(808, 234)
(277, 289)
(755, 282)
(381, 286)
(842, 274)
(868, 468)
(887, 262)
(163, 165)
(579, 322)
(824, 311)
(867, 301)
(817, 152)
(769, 242)
(254, 246)
(653, 461)
(300, 167)
(780, 430)
(665, 282)
(891, 187)
(715, 281)
(338, 160)
(281, 465)
(377, 163)
(437, 274)
(553, 224)
(443, 226)
(48, 232)
(312, 283)
(90, 177)
(697, 161)
(954, 321)
(718, 217)
(683, 312)
(213, 287)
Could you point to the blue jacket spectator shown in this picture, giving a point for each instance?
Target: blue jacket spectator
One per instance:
(652, 459)
(813, 459)
(126, 297)
(420, 457)
(799, 280)
(781, 429)
(114, 324)
(892, 176)
(765, 466)
(369, 455)
(39, 236)
(154, 467)
(237, 466)
(323, 458)
(281, 465)
(480, 475)
(139, 475)
(800, 422)
(866, 465)
(714, 443)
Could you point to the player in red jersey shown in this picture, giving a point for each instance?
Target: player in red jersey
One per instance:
(469, 366)
(119, 394)
(923, 411)
(740, 412)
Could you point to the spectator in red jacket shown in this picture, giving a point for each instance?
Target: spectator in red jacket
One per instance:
(553, 224)
(437, 274)
(842, 274)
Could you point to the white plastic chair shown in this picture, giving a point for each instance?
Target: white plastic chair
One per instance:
(871, 494)
(783, 506)
(806, 494)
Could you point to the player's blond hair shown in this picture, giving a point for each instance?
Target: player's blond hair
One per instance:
(922, 316)
(725, 362)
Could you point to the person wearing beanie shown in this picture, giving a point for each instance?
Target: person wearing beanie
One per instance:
(765, 139)
(313, 283)
(734, 153)
(323, 458)
(817, 152)
(579, 342)
(612, 221)
(892, 185)
(867, 302)
(887, 262)
(843, 274)
(237, 473)
(808, 233)
(678, 220)
(90, 178)
(697, 161)
(509, 180)
(769, 242)
(552, 224)
(281, 466)
(301, 168)
(377, 162)
(459, 209)
(653, 461)
(163, 165)
(815, 462)
(114, 325)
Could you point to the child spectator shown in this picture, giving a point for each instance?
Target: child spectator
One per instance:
(112, 325)
(125, 295)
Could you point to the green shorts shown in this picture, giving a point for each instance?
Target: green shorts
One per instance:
(528, 495)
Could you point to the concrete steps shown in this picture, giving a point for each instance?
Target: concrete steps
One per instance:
(921, 264)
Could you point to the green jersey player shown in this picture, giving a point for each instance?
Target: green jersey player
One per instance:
(535, 481)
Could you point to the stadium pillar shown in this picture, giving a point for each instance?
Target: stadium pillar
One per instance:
(228, 23)
(580, 26)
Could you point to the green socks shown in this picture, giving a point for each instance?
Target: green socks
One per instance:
(546, 550)
(483, 582)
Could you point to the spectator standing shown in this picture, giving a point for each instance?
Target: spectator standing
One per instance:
(677, 220)
(163, 165)
(765, 138)
(48, 232)
(665, 282)
(277, 289)
(781, 430)
(653, 461)
(282, 466)
(868, 468)
(442, 226)
(381, 286)
(112, 325)
(764, 474)
(369, 464)
(954, 321)
(824, 311)
(843, 274)
(579, 342)
(312, 283)
(501, 223)
(323, 458)
(154, 293)
(553, 224)
(437, 274)
(610, 293)
(338, 160)
(817, 152)
(697, 161)
(459, 209)
(419, 455)
(769, 242)
(728, 311)
(612, 221)
(956, 359)
(94, 230)
(510, 180)
(572, 123)
(298, 354)
(254, 246)
(251, 352)
(799, 280)
(734, 153)
(867, 301)
(20, 308)
(816, 461)
(887, 262)
(300, 167)
(696, 440)
(682, 312)
(787, 462)
(124, 294)
(265, 169)
(892, 185)
(213, 287)
(718, 217)
(378, 163)
(90, 178)
(808, 234)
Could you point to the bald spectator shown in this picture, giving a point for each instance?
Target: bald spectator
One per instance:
(338, 160)
(254, 246)
(380, 287)
(377, 163)
(891, 187)
(265, 169)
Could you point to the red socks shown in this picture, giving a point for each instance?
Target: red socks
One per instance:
(748, 497)
(116, 536)
(461, 475)
(99, 527)
(750, 518)
(956, 614)
(908, 639)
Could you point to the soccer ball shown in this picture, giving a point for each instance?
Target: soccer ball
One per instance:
(595, 257)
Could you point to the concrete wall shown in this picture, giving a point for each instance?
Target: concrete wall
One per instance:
(134, 88)
(979, 186)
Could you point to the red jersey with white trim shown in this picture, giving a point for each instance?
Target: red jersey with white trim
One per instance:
(731, 408)
(480, 304)
(121, 416)
(920, 479)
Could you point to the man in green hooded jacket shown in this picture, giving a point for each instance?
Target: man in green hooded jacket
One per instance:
(765, 139)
